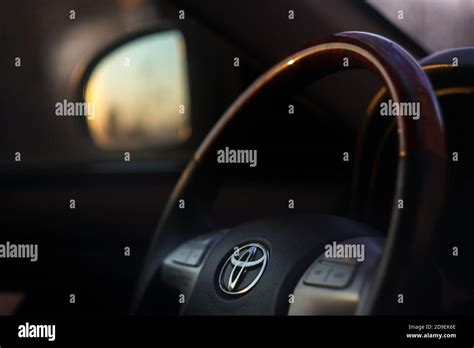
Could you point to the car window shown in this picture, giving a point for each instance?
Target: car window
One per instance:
(139, 94)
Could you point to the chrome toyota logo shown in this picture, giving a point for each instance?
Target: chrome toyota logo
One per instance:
(243, 269)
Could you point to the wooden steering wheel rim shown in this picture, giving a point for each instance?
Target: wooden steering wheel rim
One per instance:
(421, 168)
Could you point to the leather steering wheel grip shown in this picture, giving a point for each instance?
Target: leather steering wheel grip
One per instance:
(420, 175)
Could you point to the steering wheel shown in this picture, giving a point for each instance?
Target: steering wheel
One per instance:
(377, 133)
(279, 266)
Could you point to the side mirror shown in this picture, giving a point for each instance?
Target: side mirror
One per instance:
(137, 92)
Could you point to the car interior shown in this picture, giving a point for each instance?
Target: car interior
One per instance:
(229, 158)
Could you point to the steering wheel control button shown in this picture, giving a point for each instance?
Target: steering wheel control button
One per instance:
(195, 256)
(340, 275)
(189, 254)
(318, 274)
(330, 274)
(243, 268)
(181, 254)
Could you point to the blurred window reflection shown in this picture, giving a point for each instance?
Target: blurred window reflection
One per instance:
(140, 93)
